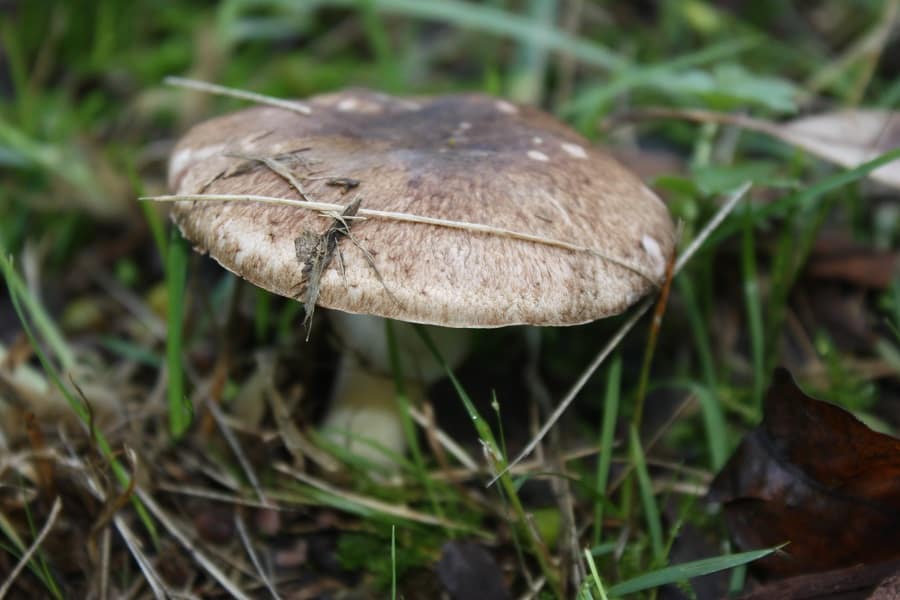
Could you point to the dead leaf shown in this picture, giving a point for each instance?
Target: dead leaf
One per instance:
(468, 571)
(813, 476)
(839, 258)
(847, 138)
(859, 582)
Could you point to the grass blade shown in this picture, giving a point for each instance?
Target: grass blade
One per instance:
(686, 571)
(648, 500)
(180, 408)
(607, 437)
(487, 19)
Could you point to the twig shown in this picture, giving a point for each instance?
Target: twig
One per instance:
(688, 253)
(276, 167)
(35, 546)
(407, 218)
(445, 440)
(151, 576)
(221, 90)
(248, 546)
(396, 510)
(235, 446)
(210, 567)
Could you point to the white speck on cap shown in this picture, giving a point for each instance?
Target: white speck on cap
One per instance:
(538, 155)
(185, 156)
(651, 246)
(574, 150)
(506, 107)
(537, 140)
(347, 104)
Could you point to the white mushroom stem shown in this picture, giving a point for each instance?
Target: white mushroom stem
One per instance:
(364, 415)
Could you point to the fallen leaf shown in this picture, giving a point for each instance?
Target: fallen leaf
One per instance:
(468, 571)
(860, 582)
(814, 477)
(847, 138)
(839, 258)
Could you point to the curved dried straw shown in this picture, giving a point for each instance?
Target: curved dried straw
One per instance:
(329, 209)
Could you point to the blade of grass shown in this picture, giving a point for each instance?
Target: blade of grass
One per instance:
(529, 71)
(342, 499)
(686, 571)
(754, 311)
(35, 546)
(190, 547)
(495, 454)
(648, 500)
(713, 420)
(607, 437)
(588, 102)
(393, 562)
(409, 427)
(806, 197)
(698, 329)
(694, 247)
(19, 295)
(262, 314)
(595, 576)
(154, 221)
(43, 323)
(487, 19)
(180, 408)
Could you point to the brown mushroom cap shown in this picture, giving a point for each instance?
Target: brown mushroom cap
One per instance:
(469, 158)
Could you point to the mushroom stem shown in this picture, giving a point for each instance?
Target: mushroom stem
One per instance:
(364, 415)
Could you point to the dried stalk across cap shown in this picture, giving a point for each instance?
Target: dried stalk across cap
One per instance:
(563, 233)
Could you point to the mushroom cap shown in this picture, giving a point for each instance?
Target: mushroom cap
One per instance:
(469, 158)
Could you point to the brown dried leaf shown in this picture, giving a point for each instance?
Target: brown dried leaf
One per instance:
(814, 476)
(467, 570)
(859, 582)
(849, 138)
(839, 258)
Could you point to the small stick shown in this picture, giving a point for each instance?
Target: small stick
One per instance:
(688, 253)
(408, 218)
(221, 90)
(35, 546)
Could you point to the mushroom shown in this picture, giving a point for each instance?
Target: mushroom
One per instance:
(562, 234)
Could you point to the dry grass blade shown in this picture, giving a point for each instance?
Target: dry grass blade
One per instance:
(248, 547)
(325, 207)
(235, 446)
(153, 579)
(688, 253)
(201, 559)
(293, 439)
(395, 510)
(35, 546)
(105, 544)
(221, 90)
(216, 496)
(446, 441)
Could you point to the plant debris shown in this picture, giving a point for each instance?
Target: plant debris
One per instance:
(315, 252)
(814, 477)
